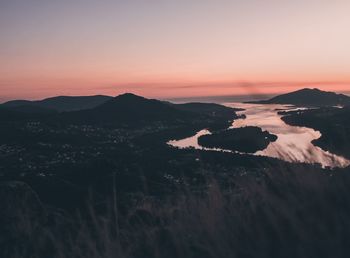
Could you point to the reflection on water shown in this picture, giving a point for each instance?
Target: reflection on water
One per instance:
(294, 143)
(190, 142)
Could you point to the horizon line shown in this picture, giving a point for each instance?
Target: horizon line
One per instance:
(255, 96)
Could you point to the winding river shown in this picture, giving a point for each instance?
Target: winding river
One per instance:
(294, 144)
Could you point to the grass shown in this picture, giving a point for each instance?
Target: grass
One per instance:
(280, 214)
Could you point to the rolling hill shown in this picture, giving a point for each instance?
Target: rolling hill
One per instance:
(127, 109)
(309, 97)
(132, 110)
(60, 103)
(123, 110)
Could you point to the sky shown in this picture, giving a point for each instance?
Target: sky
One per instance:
(172, 48)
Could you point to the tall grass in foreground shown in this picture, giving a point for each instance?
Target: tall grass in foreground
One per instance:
(286, 214)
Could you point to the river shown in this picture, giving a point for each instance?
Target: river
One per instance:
(294, 144)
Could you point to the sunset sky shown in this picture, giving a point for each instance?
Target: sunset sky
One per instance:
(172, 48)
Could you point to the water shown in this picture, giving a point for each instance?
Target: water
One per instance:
(294, 144)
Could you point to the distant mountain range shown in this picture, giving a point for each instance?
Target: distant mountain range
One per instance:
(126, 109)
(58, 104)
(305, 97)
(70, 103)
(309, 97)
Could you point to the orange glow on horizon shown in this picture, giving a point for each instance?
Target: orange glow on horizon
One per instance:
(162, 90)
(170, 49)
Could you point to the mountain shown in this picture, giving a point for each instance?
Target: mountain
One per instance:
(127, 108)
(124, 110)
(132, 110)
(309, 97)
(60, 103)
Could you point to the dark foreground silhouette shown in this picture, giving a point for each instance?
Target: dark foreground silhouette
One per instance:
(58, 104)
(277, 214)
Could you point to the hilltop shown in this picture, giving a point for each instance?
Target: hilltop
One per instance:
(59, 103)
(309, 97)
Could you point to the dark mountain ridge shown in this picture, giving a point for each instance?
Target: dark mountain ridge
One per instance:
(132, 110)
(126, 108)
(309, 97)
(61, 103)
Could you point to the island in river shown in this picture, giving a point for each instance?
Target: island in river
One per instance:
(249, 139)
